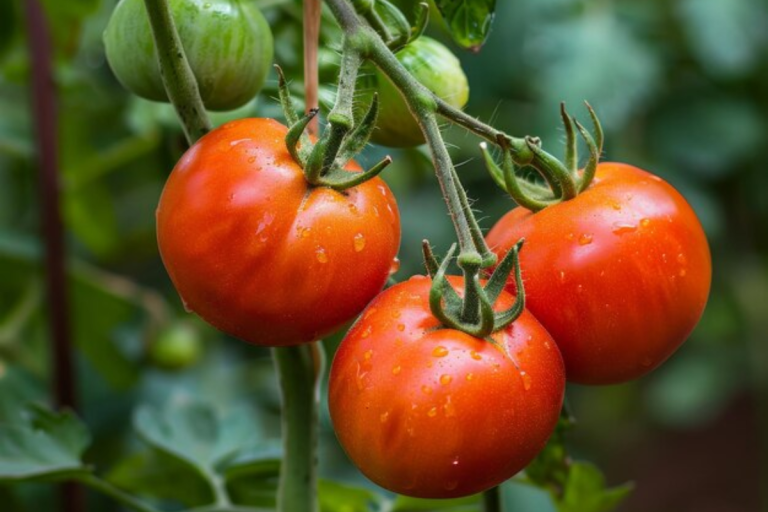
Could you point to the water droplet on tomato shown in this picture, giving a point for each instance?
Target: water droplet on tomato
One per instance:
(547, 345)
(426, 389)
(455, 461)
(526, 380)
(440, 351)
(681, 259)
(395, 266)
(368, 355)
(682, 272)
(359, 242)
(622, 228)
(645, 222)
(401, 327)
(570, 236)
(474, 355)
(445, 379)
(251, 159)
(395, 314)
(321, 255)
(616, 206)
(562, 276)
(448, 408)
(352, 208)
(470, 376)
(366, 332)
(585, 239)
(432, 412)
(384, 417)
(396, 370)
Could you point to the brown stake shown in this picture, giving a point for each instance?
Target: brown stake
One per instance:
(44, 105)
(311, 42)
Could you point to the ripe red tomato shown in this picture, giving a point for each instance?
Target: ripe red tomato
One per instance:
(619, 275)
(436, 413)
(261, 255)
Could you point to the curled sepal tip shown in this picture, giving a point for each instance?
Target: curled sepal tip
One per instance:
(511, 262)
(571, 159)
(298, 146)
(339, 179)
(441, 304)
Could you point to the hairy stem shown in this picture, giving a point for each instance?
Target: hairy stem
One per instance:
(179, 81)
(298, 369)
(312, 10)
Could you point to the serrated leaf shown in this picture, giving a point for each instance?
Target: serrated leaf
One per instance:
(468, 21)
(196, 433)
(43, 445)
(156, 475)
(585, 491)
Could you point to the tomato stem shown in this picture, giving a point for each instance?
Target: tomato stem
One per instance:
(298, 369)
(179, 81)
(492, 500)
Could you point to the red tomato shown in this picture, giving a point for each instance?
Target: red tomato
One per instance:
(261, 255)
(619, 275)
(435, 413)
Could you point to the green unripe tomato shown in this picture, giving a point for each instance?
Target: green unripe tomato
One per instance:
(228, 44)
(178, 346)
(432, 64)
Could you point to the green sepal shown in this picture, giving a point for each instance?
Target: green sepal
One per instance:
(339, 179)
(357, 139)
(595, 148)
(297, 142)
(500, 276)
(571, 158)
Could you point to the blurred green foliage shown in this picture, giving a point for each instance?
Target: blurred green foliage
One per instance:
(682, 89)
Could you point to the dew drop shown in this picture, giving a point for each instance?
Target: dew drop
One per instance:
(359, 242)
(396, 370)
(426, 389)
(681, 259)
(395, 314)
(445, 379)
(585, 239)
(645, 222)
(547, 345)
(616, 206)
(368, 355)
(682, 272)
(352, 208)
(251, 159)
(470, 376)
(369, 312)
(432, 412)
(570, 236)
(474, 355)
(622, 228)
(579, 288)
(526, 380)
(448, 408)
(562, 276)
(440, 351)
(238, 141)
(366, 333)
(455, 461)
(401, 327)
(384, 417)
(321, 255)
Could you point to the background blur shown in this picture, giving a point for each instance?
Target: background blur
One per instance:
(682, 90)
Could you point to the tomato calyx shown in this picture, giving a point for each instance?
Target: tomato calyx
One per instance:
(564, 180)
(324, 161)
(473, 313)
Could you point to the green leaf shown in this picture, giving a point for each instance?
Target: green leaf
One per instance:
(156, 475)
(585, 491)
(197, 434)
(336, 497)
(468, 21)
(407, 504)
(43, 445)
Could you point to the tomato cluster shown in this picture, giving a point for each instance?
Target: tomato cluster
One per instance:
(615, 278)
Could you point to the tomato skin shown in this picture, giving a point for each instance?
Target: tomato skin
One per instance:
(619, 276)
(260, 255)
(228, 44)
(435, 67)
(436, 413)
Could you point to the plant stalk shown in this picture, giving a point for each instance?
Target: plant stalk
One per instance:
(179, 81)
(312, 11)
(492, 500)
(113, 492)
(298, 370)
